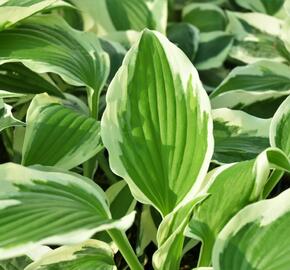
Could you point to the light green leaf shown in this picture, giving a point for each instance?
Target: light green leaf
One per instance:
(6, 118)
(186, 37)
(254, 87)
(280, 127)
(257, 37)
(213, 50)
(154, 136)
(92, 254)
(238, 136)
(123, 15)
(256, 238)
(48, 44)
(58, 136)
(196, 14)
(263, 6)
(53, 207)
(231, 187)
(13, 11)
(170, 236)
(17, 78)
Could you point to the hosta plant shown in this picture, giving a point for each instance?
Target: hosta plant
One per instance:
(149, 134)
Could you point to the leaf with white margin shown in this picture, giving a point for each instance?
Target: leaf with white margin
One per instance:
(257, 37)
(238, 136)
(92, 254)
(52, 207)
(16, 78)
(122, 15)
(280, 127)
(263, 6)
(157, 125)
(253, 87)
(256, 238)
(48, 44)
(58, 136)
(170, 236)
(231, 187)
(6, 118)
(195, 14)
(13, 11)
(213, 50)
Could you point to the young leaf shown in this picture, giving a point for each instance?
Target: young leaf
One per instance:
(53, 207)
(231, 187)
(92, 254)
(256, 238)
(13, 11)
(48, 44)
(6, 117)
(157, 125)
(213, 50)
(196, 14)
(58, 136)
(238, 136)
(253, 87)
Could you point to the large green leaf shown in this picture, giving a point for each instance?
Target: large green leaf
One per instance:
(157, 125)
(256, 238)
(238, 136)
(196, 14)
(105, 16)
(42, 206)
(58, 136)
(265, 6)
(280, 127)
(13, 11)
(90, 255)
(213, 50)
(6, 117)
(253, 88)
(17, 78)
(48, 44)
(231, 187)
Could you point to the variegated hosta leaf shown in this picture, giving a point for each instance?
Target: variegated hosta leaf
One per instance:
(196, 13)
(13, 11)
(231, 187)
(48, 44)
(157, 125)
(42, 206)
(17, 78)
(18, 263)
(280, 127)
(238, 136)
(90, 255)
(257, 37)
(256, 238)
(213, 50)
(123, 15)
(263, 6)
(58, 136)
(6, 118)
(170, 236)
(186, 37)
(254, 87)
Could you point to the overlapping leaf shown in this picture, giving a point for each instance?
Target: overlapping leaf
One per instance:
(264, 6)
(58, 136)
(157, 125)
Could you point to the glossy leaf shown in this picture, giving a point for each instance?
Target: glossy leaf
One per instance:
(53, 207)
(253, 88)
(196, 14)
(58, 136)
(92, 254)
(256, 238)
(154, 136)
(239, 136)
